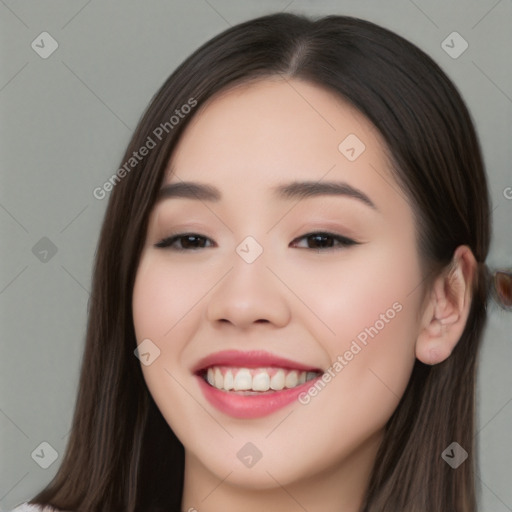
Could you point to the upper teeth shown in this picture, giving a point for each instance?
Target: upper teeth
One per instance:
(256, 379)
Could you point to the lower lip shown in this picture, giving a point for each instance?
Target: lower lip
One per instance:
(251, 406)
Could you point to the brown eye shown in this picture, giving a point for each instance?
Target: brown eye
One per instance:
(184, 242)
(320, 241)
(324, 241)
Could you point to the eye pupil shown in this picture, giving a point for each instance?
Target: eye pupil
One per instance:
(191, 241)
(319, 241)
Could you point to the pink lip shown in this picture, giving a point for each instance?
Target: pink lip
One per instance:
(256, 405)
(251, 406)
(250, 359)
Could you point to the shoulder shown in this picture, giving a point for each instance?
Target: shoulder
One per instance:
(25, 507)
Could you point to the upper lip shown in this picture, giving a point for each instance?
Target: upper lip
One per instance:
(249, 359)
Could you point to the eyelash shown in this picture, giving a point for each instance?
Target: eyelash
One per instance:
(343, 241)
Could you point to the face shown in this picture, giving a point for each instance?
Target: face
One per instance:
(291, 281)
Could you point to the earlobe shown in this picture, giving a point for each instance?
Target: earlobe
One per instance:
(446, 313)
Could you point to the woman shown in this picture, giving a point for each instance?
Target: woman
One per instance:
(294, 250)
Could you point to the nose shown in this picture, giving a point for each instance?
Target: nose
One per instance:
(250, 293)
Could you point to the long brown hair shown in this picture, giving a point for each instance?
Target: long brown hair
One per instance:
(121, 454)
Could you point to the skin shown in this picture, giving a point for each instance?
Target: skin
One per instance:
(302, 303)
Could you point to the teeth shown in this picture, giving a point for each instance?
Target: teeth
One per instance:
(291, 380)
(257, 379)
(243, 380)
(261, 382)
(219, 379)
(229, 381)
(310, 375)
(277, 381)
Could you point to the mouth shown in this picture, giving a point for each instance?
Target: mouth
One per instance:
(252, 384)
(248, 381)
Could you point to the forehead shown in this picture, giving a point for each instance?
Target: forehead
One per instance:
(262, 133)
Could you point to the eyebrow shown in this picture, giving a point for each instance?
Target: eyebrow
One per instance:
(294, 190)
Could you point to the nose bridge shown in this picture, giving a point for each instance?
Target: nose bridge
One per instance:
(249, 292)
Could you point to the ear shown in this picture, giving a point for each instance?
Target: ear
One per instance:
(446, 312)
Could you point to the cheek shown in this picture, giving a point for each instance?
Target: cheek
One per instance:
(348, 294)
(370, 377)
(163, 312)
(369, 324)
(372, 357)
(162, 299)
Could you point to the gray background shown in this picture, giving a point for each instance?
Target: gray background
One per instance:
(66, 122)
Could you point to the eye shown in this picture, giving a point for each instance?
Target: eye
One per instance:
(184, 242)
(324, 240)
(317, 240)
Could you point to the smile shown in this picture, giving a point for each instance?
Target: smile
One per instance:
(256, 379)
(252, 384)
